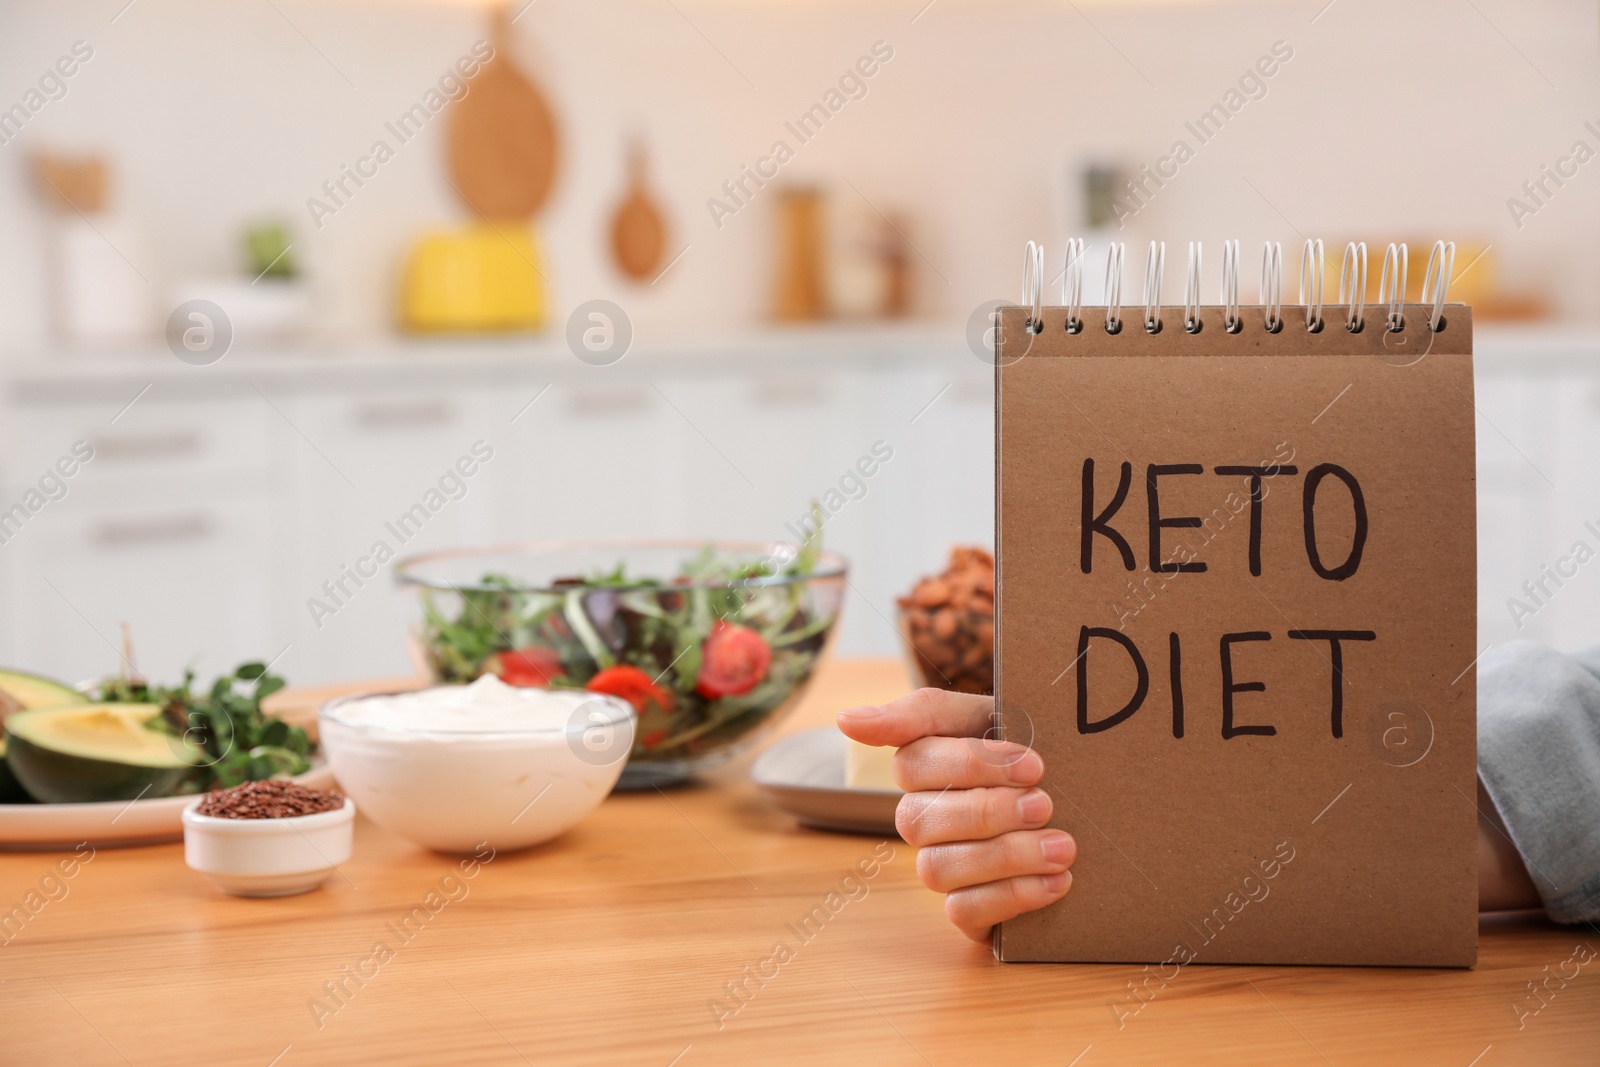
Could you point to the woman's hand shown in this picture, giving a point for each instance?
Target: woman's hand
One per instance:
(972, 807)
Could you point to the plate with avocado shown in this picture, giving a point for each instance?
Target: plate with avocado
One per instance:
(116, 762)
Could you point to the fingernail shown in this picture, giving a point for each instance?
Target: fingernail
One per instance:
(867, 711)
(1026, 768)
(1034, 806)
(1056, 884)
(1058, 848)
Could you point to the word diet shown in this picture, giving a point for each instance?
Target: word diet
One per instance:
(1104, 525)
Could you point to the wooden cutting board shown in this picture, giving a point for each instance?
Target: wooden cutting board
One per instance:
(503, 145)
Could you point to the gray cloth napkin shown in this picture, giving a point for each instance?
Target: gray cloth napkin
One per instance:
(1539, 758)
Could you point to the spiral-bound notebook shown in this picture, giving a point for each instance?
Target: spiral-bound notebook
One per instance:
(1236, 614)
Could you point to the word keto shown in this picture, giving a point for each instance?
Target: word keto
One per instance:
(1581, 552)
(52, 486)
(454, 84)
(1252, 85)
(1213, 524)
(52, 887)
(754, 977)
(1099, 523)
(452, 485)
(1542, 994)
(1566, 167)
(337, 993)
(852, 486)
(852, 85)
(1255, 890)
(52, 86)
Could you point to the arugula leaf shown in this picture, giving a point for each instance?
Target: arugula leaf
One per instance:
(583, 629)
(237, 741)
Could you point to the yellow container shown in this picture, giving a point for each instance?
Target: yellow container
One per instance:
(478, 279)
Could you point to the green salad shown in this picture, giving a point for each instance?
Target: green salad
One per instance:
(703, 657)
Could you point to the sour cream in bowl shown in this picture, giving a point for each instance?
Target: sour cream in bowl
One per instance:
(455, 767)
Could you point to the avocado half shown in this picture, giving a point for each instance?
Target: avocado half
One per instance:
(85, 753)
(20, 692)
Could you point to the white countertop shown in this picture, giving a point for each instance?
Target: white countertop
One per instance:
(410, 362)
(398, 362)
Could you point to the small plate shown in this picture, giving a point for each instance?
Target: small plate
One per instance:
(804, 775)
(53, 827)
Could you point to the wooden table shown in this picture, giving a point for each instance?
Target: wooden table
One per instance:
(615, 943)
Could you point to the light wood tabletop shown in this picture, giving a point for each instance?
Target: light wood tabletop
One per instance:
(619, 942)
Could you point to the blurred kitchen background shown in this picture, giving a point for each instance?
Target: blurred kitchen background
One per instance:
(766, 317)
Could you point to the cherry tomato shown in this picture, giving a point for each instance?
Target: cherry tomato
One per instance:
(733, 660)
(630, 684)
(531, 667)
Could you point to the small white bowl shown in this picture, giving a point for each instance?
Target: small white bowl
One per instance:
(268, 857)
(457, 790)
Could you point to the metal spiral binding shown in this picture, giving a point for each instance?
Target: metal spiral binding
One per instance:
(1155, 265)
(1230, 287)
(1114, 256)
(1191, 291)
(1392, 286)
(1436, 284)
(1352, 292)
(1033, 285)
(1312, 269)
(1272, 285)
(1353, 285)
(1072, 284)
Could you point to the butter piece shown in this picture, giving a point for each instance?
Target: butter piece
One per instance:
(868, 766)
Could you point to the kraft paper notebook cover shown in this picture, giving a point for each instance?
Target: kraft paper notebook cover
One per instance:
(1236, 615)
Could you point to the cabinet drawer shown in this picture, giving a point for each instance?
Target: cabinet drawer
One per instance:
(151, 439)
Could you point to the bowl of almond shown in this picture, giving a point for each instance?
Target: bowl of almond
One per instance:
(947, 623)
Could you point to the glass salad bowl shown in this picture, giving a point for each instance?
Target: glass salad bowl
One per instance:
(712, 643)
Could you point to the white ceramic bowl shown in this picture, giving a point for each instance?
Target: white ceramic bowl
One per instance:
(267, 857)
(455, 790)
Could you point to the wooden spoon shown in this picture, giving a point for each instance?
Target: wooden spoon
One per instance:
(504, 145)
(638, 232)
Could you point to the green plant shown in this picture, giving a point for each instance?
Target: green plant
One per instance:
(268, 251)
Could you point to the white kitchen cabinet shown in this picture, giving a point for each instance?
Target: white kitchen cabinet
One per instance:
(165, 529)
(1538, 490)
(599, 455)
(1563, 417)
(935, 492)
(948, 451)
(1514, 502)
(196, 582)
(378, 467)
(765, 443)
